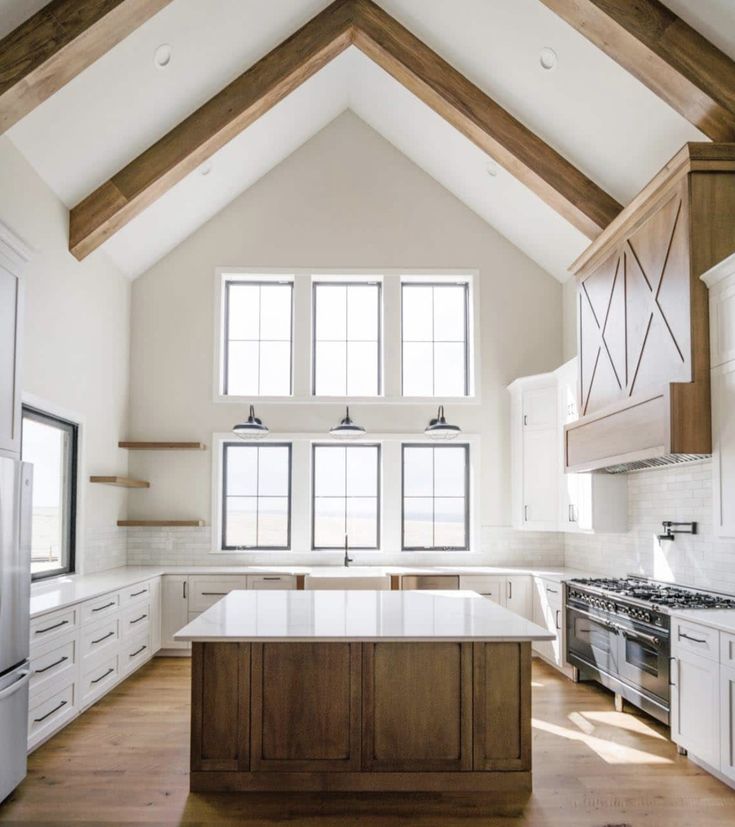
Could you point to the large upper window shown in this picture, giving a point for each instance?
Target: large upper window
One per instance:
(256, 496)
(346, 339)
(346, 496)
(50, 444)
(435, 497)
(257, 334)
(434, 334)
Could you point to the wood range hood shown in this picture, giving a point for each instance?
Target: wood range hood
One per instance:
(642, 325)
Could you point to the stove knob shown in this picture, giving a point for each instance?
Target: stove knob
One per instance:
(647, 617)
(610, 606)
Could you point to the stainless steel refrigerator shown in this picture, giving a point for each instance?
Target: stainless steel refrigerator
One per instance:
(16, 480)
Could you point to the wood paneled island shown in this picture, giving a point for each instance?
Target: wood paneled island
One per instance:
(360, 690)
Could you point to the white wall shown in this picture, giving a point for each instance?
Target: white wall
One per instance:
(75, 349)
(347, 198)
(569, 318)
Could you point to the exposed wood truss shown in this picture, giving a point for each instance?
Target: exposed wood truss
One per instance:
(57, 43)
(664, 53)
(390, 45)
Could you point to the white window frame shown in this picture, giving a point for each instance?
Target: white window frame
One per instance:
(391, 340)
(390, 505)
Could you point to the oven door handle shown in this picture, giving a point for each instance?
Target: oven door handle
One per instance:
(634, 633)
(612, 627)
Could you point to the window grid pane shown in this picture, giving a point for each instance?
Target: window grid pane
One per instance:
(435, 513)
(256, 496)
(258, 338)
(434, 339)
(346, 496)
(346, 339)
(50, 444)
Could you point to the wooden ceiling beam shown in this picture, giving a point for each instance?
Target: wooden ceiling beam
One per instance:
(57, 43)
(396, 50)
(666, 54)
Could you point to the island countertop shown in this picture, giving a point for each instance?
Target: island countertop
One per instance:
(344, 615)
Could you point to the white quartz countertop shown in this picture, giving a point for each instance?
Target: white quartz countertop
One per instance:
(307, 616)
(722, 619)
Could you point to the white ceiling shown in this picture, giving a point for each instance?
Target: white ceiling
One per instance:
(588, 107)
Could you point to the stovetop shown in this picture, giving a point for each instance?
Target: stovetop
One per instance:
(660, 595)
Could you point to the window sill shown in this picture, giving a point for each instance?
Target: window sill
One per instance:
(348, 400)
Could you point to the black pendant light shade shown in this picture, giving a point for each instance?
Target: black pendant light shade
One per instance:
(346, 429)
(252, 428)
(439, 428)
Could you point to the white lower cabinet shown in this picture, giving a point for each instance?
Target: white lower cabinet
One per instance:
(174, 609)
(727, 717)
(512, 591)
(51, 710)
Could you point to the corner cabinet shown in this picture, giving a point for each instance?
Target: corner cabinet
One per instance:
(544, 498)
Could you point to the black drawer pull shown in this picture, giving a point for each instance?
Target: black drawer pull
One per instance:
(214, 594)
(137, 594)
(138, 651)
(271, 578)
(109, 672)
(138, 619)
(106, 606)
(48, 714)
(50, 628)
(104, 637)
(51, 665)
(689, 637)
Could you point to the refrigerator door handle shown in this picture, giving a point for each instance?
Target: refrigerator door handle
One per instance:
(25, 676)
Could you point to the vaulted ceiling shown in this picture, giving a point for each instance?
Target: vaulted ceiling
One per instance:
(591, 110)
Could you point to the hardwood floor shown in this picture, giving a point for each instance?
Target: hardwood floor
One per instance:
(125, 761)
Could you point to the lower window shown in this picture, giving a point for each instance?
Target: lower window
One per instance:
(256, 501)
(435, 513)
(50, 444)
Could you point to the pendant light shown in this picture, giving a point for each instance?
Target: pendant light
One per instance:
(346, 429)
(439, 428)
(252, 428)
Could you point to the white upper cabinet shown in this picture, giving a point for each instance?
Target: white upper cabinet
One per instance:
(721, 281)
(544, 497)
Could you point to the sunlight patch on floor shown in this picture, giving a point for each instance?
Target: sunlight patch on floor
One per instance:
(537, 685)
(623, 721)
(610, 751)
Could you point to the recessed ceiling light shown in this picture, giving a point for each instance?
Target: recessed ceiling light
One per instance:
(205, 168)
(548, 58)
(491, 169)
(162, 56)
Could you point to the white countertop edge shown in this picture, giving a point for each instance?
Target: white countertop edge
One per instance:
(721, 619)
(372, 639)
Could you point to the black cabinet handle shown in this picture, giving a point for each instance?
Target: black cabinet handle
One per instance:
(137, 594)
(137, 651)
(138, 619)
(104, 637)
(50, 628)
(106, 606)
(214, 594)
(51, 665)
(109, 672)
(48, 714)
(689, 637)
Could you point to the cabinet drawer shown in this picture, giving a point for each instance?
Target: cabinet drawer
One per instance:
(134, 653)
(140, 591)
(49, 712)
(96, 681)
(53, 625)
(102, 637)
(271, 581)
(691, 637)
(100, 607)
(135, 620)
(52, 663)
(727, 649)
(206, 591)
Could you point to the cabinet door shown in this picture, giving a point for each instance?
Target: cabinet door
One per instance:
(695, 706)
(723, 439)
(10, 314)
(540, 479)
(271, 581)
(727, 721)
(155, 597)
(547, 614)
(539, 408)
(518, 594)
(490, 586)
(175, 610)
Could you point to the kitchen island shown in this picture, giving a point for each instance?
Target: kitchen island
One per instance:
(360, 691)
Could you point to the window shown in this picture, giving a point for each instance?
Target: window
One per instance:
(346, 346)
(256, 496)
(434, 325)
(50, 444)
(346, 494)
(258, 325)
(435, 497)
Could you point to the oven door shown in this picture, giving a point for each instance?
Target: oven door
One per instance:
(592, 639)
(644, 659)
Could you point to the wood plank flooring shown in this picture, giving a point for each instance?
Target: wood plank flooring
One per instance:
(125, 761)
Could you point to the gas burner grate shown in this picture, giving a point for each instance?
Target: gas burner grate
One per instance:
(658, 594)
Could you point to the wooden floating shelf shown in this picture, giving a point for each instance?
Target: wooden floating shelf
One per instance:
(160, 523)
(162, 446)
(123, 482)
